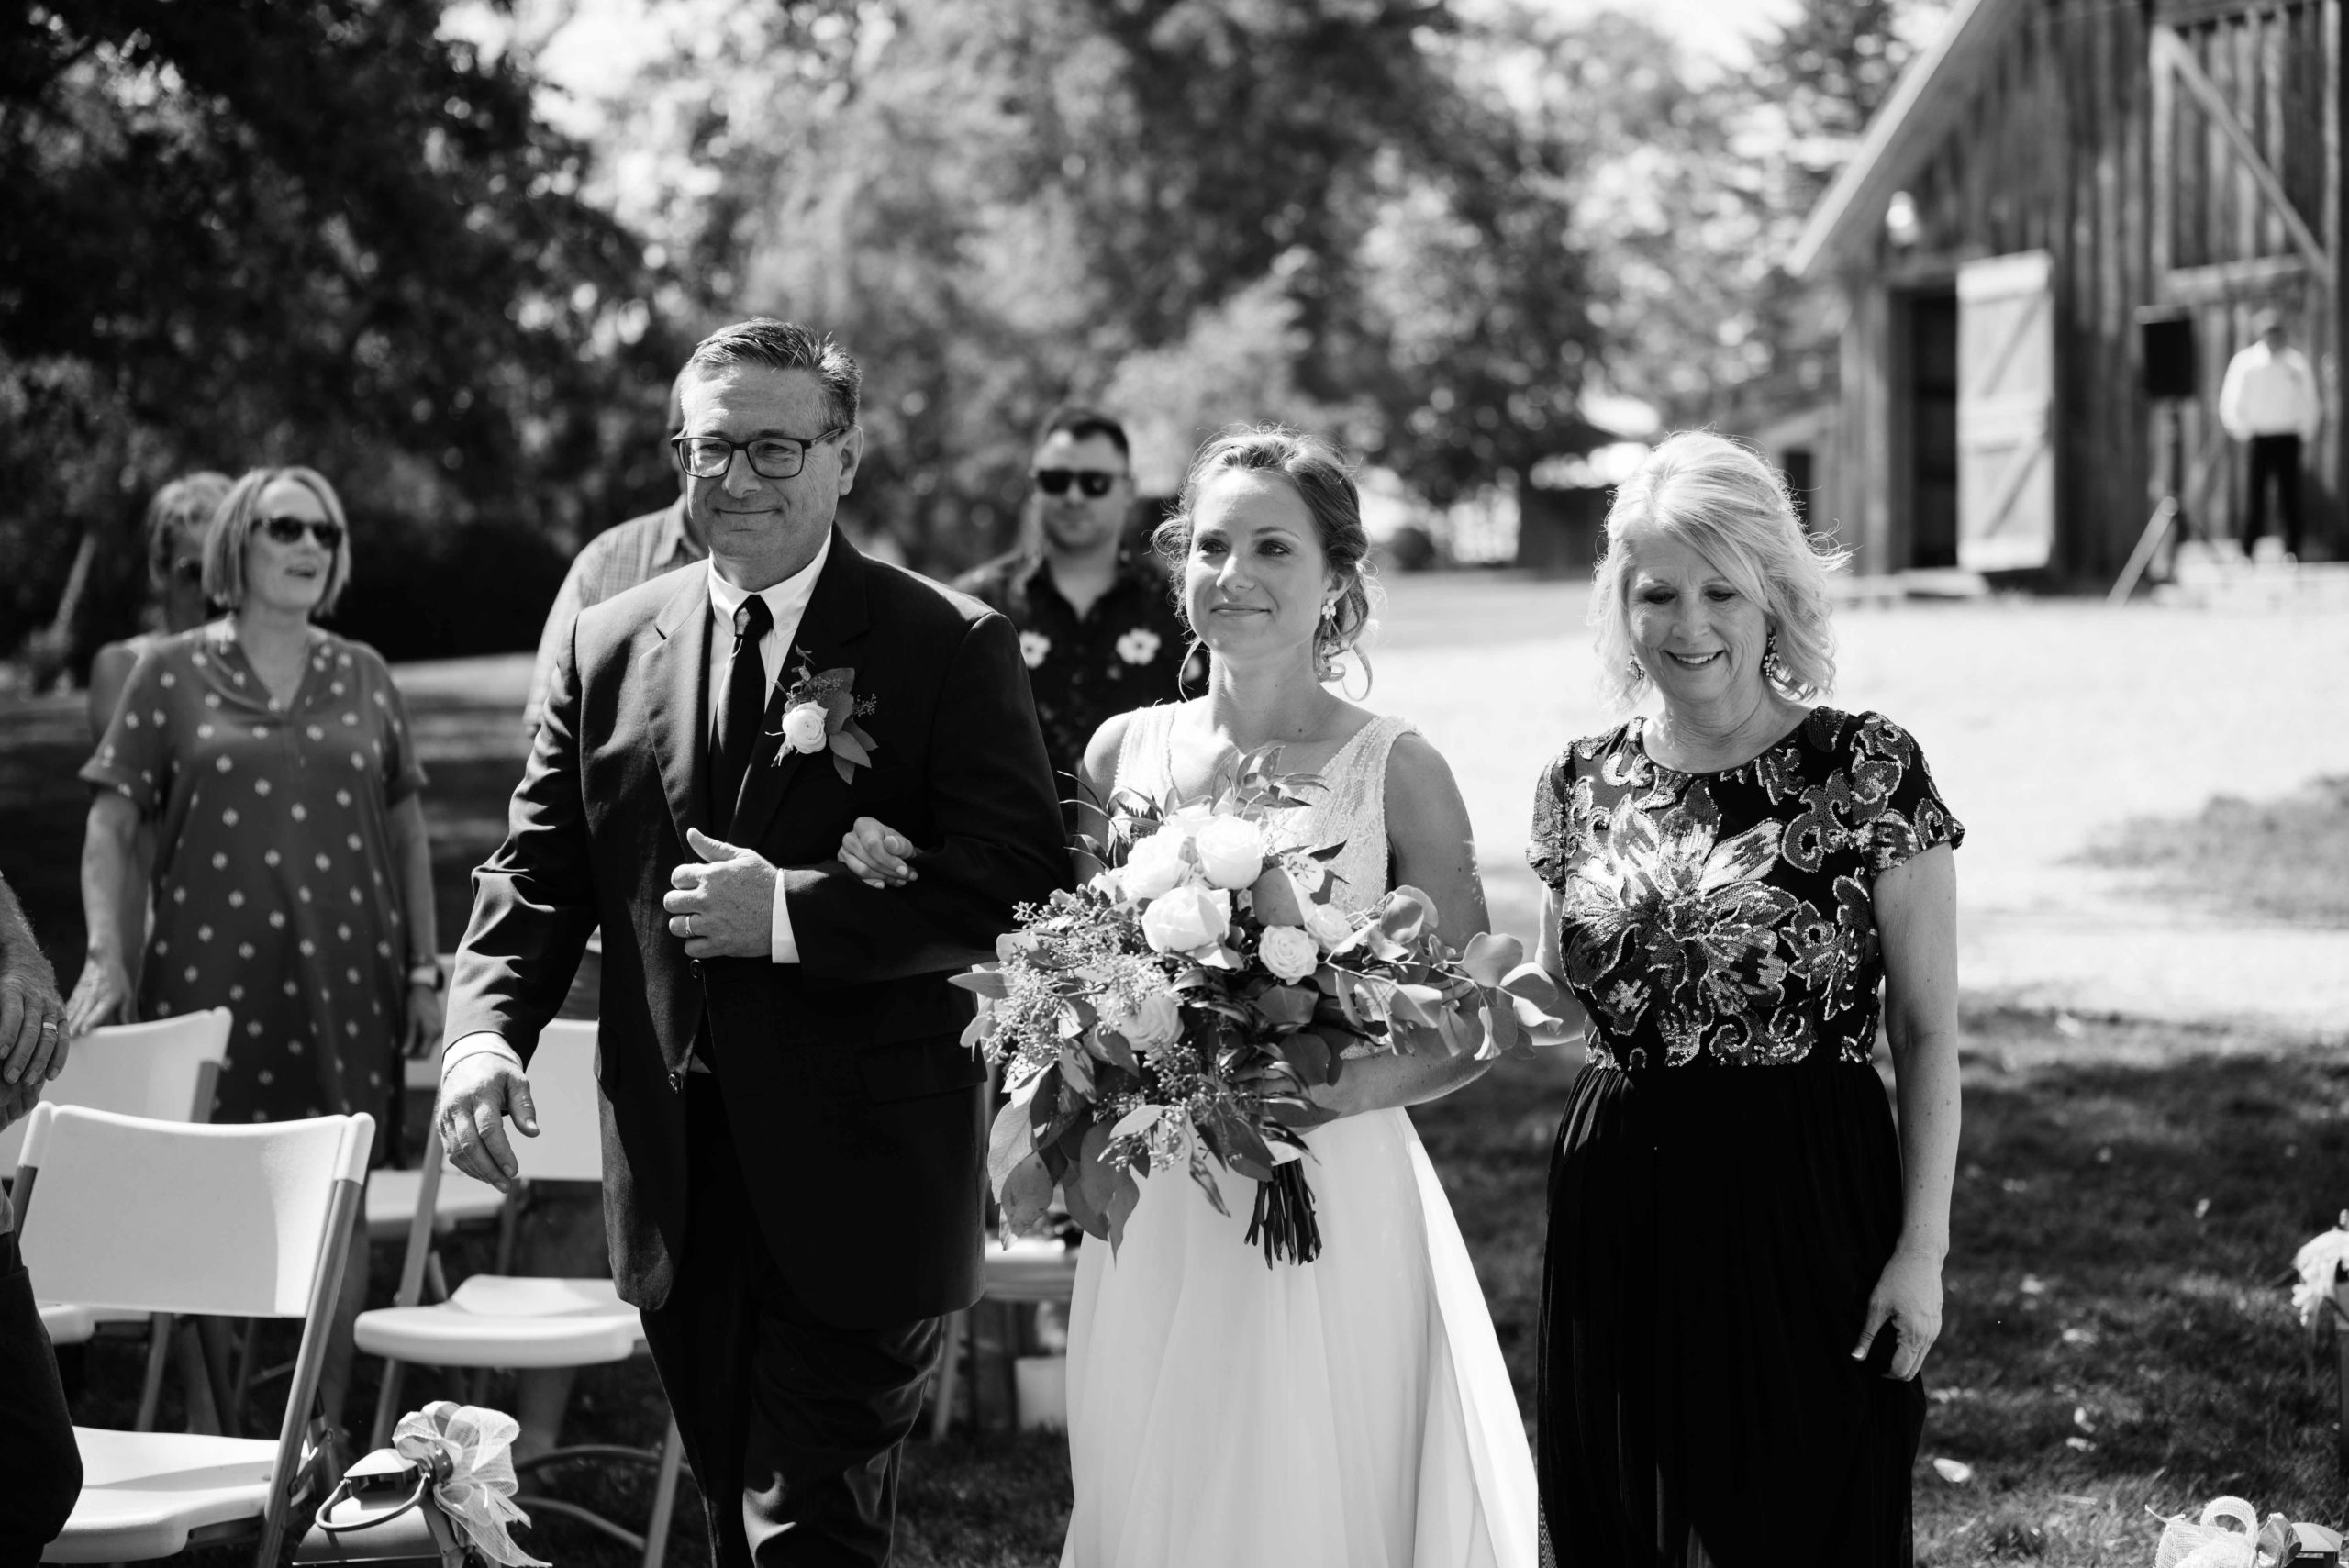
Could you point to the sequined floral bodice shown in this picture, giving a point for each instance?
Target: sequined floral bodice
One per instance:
(1729, 919)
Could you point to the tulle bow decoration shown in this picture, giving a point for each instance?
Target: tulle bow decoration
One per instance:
(469, 1453)
(2320, 1258)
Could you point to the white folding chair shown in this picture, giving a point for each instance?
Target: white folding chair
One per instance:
(1031, 1270)
(507, 1321)
(149, 1217)
(165, 1070)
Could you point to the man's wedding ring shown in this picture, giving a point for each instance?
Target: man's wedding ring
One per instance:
(48, 1025)
(689, 926)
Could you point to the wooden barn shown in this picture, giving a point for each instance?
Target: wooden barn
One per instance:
(2043, 179)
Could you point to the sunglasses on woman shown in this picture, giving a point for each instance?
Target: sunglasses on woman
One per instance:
(1091, 480)
(289, 531)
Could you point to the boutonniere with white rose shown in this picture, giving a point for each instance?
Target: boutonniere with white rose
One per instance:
(1176, 1008)
(821, 710)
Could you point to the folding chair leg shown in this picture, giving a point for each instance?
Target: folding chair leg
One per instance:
(950, 1349)
(195, 1378)
(248, 1368)
(387, 1402)
(664, 1498)
(159, 1354)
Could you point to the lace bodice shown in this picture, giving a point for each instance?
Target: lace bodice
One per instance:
(1351, 810)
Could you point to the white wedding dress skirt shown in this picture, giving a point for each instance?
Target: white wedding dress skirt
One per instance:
(1352, 1412)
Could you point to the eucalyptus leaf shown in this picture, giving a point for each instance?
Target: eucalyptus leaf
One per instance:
(1309, 1054)
(1010, 1141)
(1024, 1198)
(1092, 1181)
(1285, 1005)
(1491, 956)
(1122, 1204)
(986, 982)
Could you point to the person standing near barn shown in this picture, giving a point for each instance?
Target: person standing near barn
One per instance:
(2270, 403)
(1097, 625)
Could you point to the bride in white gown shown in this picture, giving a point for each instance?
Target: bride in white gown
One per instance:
(1352, 1412)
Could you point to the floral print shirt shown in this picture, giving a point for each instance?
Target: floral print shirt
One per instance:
(1128, 650)
(1729, 919)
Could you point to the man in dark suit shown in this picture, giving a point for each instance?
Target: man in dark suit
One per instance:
(793, 1132)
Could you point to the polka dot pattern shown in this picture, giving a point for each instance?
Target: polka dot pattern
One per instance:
(277, 885)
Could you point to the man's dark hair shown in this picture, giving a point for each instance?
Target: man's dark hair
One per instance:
(786, 346)
(1081, 422)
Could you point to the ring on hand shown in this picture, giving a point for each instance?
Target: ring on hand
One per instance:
(689, 925)
(48, 1025)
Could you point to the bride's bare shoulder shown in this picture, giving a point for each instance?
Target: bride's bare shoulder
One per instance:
(1419, 782)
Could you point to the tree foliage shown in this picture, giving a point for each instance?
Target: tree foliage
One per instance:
(1195, 210)
(256, 231)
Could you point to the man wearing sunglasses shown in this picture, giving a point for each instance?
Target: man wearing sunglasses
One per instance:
(1097, 625)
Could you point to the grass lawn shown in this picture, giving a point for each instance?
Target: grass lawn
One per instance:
(2119, 1329)
(2277, 858)
(2119, 1333)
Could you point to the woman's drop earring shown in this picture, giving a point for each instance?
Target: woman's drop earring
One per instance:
(1635, 672)
(1774, 663)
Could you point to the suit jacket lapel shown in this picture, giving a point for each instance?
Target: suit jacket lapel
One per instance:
(836, 616)
(678, 677)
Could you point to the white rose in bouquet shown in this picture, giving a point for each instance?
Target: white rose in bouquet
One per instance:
(1289, 953)
(1326, 924)
(803, 727)
(1154, 1025)
(1187, 918)
(1232, 852)
(1154, 865)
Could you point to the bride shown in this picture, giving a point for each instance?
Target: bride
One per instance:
(1352, 1412)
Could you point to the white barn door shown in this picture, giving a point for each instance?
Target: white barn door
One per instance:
(2006, 407)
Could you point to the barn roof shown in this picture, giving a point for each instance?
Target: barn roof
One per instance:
(1925, 103)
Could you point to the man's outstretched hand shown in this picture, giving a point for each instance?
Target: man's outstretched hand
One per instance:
(478, 1094)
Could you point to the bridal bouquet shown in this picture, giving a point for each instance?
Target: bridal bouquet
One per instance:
(1176, 1007)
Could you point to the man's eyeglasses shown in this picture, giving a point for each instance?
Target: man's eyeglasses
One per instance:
(1092, 481)
(289, 531)
(771, 457)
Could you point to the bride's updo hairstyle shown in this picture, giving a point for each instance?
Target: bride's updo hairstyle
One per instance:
(1722, 500)
(1324, 482)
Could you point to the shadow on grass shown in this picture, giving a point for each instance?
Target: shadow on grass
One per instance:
(2277, 858)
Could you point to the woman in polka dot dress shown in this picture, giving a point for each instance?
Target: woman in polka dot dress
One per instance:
(292, 880)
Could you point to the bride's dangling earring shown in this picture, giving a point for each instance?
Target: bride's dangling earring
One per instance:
(1325, 644)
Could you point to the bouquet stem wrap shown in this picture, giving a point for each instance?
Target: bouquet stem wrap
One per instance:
(1284, 1221)
(470, 1451)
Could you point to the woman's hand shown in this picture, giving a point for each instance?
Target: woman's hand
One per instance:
(1908, 1295)
(101, 995)
(424, 1020)
(878, 856)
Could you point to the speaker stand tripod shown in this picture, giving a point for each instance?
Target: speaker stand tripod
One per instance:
(2168, 513)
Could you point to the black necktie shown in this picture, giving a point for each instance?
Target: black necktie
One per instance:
(735, 734)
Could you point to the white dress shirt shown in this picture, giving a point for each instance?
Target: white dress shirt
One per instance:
(2270, 393)
(787, 603)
